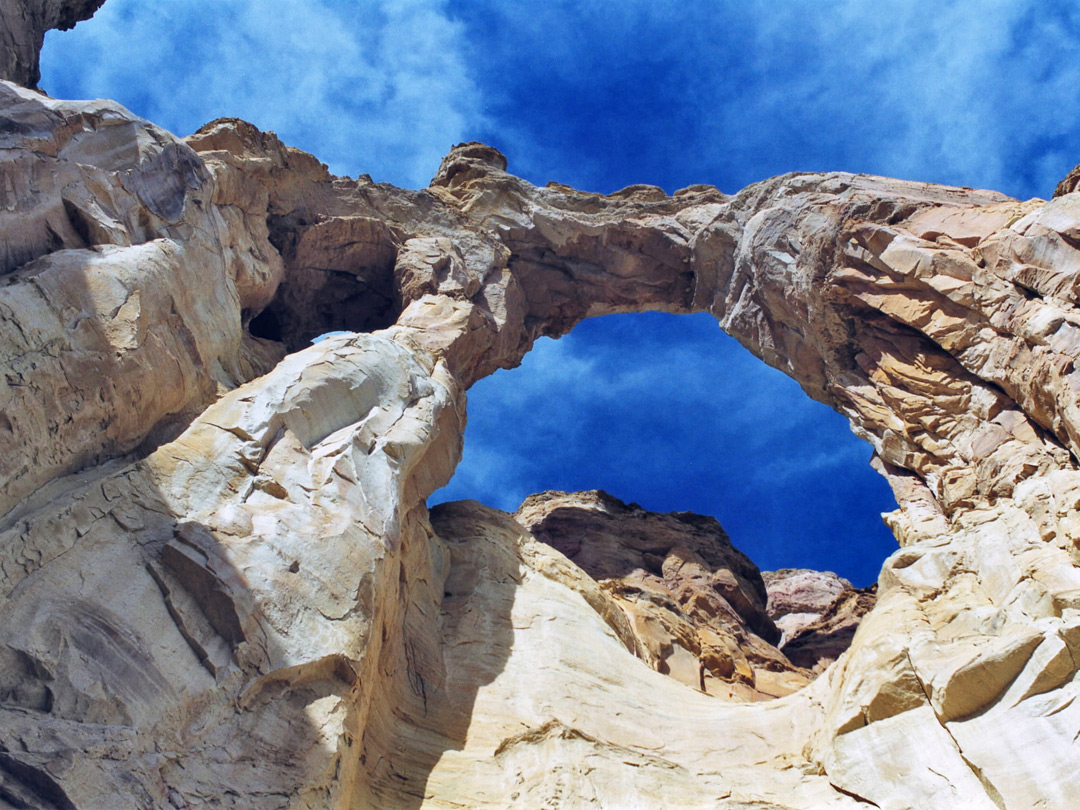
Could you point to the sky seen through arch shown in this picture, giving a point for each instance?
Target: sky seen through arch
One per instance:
(668, 411)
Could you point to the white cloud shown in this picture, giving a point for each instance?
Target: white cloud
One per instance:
(976, 92)
(971, 93)
(379, 87)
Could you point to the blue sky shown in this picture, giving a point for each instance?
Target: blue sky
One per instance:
(600, 95)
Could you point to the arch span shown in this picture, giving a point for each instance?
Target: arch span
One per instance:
(941, 322)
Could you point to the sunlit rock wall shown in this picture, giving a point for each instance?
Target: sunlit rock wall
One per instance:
(219, 582)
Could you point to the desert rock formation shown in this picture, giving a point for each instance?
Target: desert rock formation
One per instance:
(23, 24)
(817, 613)
(220, 585)
(694, 604)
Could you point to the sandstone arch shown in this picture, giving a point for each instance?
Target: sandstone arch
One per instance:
(940, 321)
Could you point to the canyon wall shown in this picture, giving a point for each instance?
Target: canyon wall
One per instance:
(220, 585)
(23, 24)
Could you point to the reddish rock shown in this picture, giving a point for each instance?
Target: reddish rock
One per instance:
(697, 604)
(817, 613)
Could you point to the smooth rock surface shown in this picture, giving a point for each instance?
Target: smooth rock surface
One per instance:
(538, 702)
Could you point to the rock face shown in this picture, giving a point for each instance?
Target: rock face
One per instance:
(220, 585)
(817, 612)
(23, 24)
(696, 605)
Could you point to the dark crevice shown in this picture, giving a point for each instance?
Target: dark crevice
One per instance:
(266, 325)
(23, 785)
(339, 276)
(324, 301)
(54, 241)
(78, 222)
(283, 232)
(855, 796)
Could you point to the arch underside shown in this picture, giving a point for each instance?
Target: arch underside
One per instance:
(218, 549)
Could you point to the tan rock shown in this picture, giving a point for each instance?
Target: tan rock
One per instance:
(119, 315)
(220, 584)
(695, 603)
(226, 593)
(541, 702)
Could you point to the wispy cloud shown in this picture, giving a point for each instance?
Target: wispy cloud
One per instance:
(600, 95)
(668, 411)
(971, 93)
(974, 92)
(380, 87)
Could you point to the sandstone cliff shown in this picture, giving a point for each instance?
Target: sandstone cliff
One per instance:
(23, 24)
(220, 585)
(695, 605)
(817, 613)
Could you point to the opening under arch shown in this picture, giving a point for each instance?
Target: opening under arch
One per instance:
(669, 413)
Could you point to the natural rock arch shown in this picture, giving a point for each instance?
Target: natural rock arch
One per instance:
(667, 410)
(264, 588)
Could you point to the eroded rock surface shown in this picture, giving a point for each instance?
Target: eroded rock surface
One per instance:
(23, 24)
(695, 604)
(532, 696)
(817, 612)
(219, 582)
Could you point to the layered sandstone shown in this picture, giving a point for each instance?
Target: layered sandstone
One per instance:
(695, 604)
(817, 613)
(219, 582)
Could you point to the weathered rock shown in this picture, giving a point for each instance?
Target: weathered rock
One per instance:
(23, 24)
(695, 603)
(817, 613)
(535, 699)
(1069, 183)
(220, 585)
(123, 288)
(226, 595)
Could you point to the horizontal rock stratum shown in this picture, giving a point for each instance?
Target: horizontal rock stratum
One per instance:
(220, 585)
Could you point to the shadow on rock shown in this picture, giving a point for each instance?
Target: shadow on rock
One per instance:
(458, 637)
